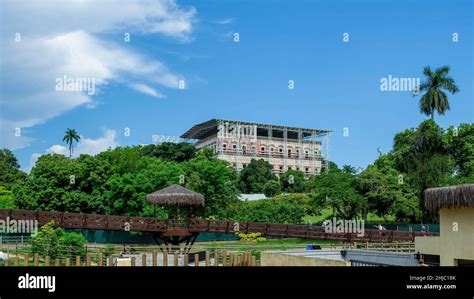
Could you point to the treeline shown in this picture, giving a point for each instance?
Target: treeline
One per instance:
(116, 181)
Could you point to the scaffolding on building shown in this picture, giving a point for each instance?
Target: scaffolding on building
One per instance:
(235, 140)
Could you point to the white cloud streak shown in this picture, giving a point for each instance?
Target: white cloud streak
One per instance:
(143, 88)
(61, 38)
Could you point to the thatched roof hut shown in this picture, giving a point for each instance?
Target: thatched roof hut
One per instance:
(450, 197)
(175, 195)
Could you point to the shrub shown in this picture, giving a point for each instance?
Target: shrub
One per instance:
(271, 188)
(55, 242)
(271, 210)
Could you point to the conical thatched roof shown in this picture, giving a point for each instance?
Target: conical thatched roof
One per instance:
(450, 197)
(175, 195)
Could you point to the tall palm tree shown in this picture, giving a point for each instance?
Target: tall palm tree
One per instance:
(70, 137)
(435, 85)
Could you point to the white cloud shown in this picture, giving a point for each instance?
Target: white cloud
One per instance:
(225, 21)
(85, 146)
(143, 88)
(60, 38)
(52, 17)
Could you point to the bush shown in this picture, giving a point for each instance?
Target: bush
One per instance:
(271, 188)
(73, 243)
(252, 238)
(271, 210)
(55, 242)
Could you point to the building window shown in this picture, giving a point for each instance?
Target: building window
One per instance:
(234, 147)
(280, 150)
(244, 149)
(262, 149)
(289, 152)
(306, 169)
(224, 146)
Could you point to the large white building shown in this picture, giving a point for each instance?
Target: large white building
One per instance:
(285, 148)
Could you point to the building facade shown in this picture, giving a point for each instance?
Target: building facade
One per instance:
(285, 148)
(455, 244)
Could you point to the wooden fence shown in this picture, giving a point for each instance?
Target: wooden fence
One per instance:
(393, 247)
(153, 225)
(216, 259)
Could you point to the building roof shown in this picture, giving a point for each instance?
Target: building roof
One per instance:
(450, 197)
(251, 197)
(209, 127)
(175, 195)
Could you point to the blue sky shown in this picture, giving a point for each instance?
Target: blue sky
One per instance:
(337, 84)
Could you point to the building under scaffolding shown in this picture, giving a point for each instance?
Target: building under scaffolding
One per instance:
(285, 148)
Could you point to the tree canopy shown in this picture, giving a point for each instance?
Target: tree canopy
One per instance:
(9, 169)
(253, 177)
(436, 84)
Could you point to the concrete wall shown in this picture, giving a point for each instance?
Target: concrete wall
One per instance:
(428, 245)
(283, 259)
(334, 258)
(456, 244)
(379, 257)
(456, 240)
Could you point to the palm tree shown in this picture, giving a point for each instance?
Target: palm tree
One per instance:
(435, 85)
(70, 136)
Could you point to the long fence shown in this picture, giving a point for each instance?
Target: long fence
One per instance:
(154, 259)
(122, 255)
(153, 225)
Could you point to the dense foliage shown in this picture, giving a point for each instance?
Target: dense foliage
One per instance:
(253, 177)
(117, 181)
(277, 210)
(9, 169)
(56, 242)
(178, 152)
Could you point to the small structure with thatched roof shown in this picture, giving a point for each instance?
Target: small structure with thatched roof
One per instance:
(175, 195)
(177, 231)
(455, 244)
(450, 197)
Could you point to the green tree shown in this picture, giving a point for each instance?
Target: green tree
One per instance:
(9, 169)
(434, 86)
(293, 181)
(271, 188)
(271, 210)
(56, 242)
(387, 194)
(70, 137)
(336, 190)
(332, 166)
(47, 241)
(460, 145)
(348, 169)
(178, 152)
(49, 184)
(422, 157)
(6, 199)
(213, 178)
(253, 177)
